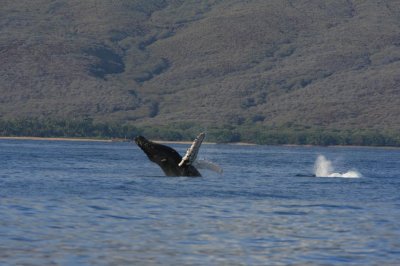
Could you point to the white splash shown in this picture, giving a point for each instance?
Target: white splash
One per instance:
(323, 168)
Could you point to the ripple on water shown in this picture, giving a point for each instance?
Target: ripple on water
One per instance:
(105, 203)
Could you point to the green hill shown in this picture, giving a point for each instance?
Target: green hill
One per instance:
(242, 66)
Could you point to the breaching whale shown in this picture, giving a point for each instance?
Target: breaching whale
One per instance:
(169, 159)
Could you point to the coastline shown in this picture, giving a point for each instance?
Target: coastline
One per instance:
(112, 140)
(92, 140)
(55, 139)
(184, 142)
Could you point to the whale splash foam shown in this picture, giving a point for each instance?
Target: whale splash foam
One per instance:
(323, 168)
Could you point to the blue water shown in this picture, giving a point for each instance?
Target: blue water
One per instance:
(98, 203)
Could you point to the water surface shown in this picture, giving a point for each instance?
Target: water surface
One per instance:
(86, 203)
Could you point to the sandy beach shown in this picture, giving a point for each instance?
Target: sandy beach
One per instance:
(95, 140)
(56, 139)
(114, 140)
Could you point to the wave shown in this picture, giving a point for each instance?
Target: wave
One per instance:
(323, 168)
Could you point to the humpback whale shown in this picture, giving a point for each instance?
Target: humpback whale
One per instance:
(169, 159)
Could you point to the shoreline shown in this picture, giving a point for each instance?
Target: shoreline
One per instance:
(99, 140)
(119, 140)
(184, 142)
(56, 139)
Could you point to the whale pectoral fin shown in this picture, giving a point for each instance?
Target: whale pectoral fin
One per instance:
(191, 153)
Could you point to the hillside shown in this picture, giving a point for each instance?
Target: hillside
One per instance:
(331, 64)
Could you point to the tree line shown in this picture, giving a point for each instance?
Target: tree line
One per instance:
(88, 128)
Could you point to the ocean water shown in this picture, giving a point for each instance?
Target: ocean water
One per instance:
(99, 203)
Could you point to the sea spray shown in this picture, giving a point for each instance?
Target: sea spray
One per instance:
(323, 168)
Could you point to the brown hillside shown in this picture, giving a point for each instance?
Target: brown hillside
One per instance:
(333, 64)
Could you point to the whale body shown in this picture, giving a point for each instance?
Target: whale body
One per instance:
(169, 159)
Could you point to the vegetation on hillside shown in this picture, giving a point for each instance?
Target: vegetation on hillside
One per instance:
(245, 70)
